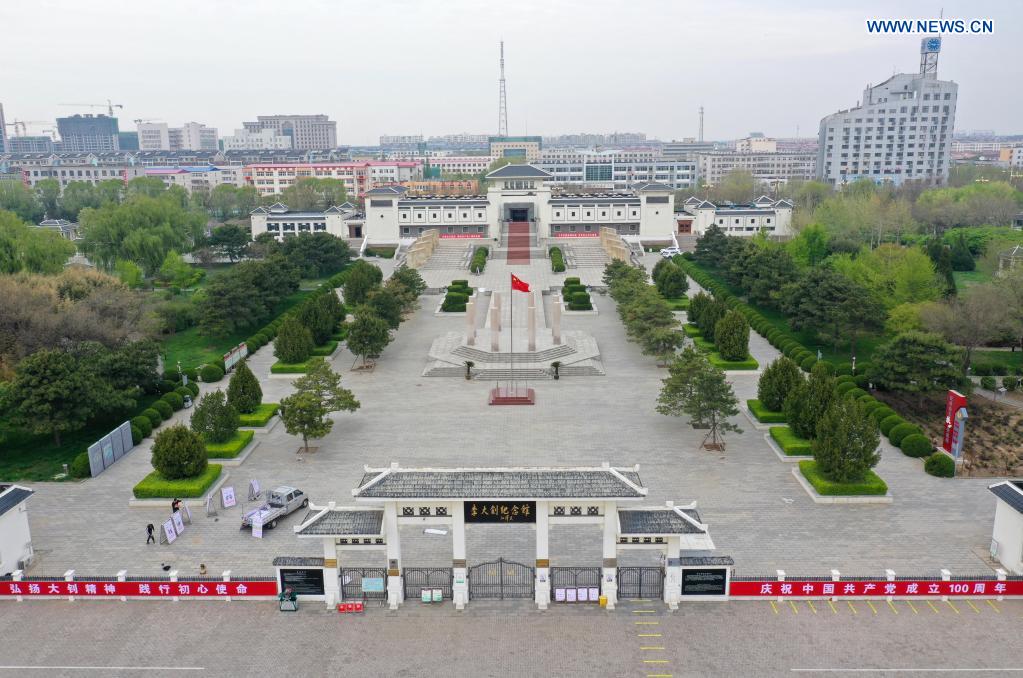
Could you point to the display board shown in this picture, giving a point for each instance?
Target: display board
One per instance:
(303, 581)
(500, 511)
(705, 581)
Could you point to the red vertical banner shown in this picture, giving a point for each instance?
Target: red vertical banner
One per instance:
(954, 401)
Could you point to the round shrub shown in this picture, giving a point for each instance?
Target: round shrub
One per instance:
(164, 408)
(143, 424)
(211, 373)
(1009, 383)
(79, 466)
(844, 387)
(916, 445)
(791, 350)
(897, 434)
(855, 393)
(845, 378)
(154, 417)
(183, 391)
(179, 453)
(861, 380)
(136, 435)
(219, 362)
(191, 373)
(843, 368)
(166, 386)
(989, 383)
(888, 423)
(828, 366)
(882, 413)
(580, 301)
(866, 399)
(808, 362)
(193, 386)
(941, 465)
(999, 369)
(174, 399)
(871, 405)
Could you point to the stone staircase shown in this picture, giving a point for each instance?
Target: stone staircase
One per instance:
(520, 242)
(585, 256)
(479, 357)
(449, 256)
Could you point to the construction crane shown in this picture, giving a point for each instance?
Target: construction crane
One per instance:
(22, 123)
(108, 105)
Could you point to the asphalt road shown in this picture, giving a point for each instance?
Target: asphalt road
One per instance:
(207, 638)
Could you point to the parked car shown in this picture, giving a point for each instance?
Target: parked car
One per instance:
(669, 252)
(281, 502)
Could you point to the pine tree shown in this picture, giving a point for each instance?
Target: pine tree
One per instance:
(325, 384)
(294, 342)
(243, 391)
(779, 379)
(179, 453)
(214, 418)
(846, 444)
(699, 390)
(672, 282)
(916, 362)
(808, 401)
(731, 336)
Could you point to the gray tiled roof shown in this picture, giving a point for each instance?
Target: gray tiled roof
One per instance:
(1011, 492)
(658, 521)
(11, 496)
(344, 522)
(498, 484)
(297, 561)
(707, 560)
(519, 172)
(652, 186)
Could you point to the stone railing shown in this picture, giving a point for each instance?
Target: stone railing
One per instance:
(613, 245)
(422, 248)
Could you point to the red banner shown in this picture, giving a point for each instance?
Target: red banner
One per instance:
(151, 589)
(581, 234)
(954, 401)
(461, 235)
(795, 589)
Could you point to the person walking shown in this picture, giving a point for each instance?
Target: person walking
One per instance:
(149, 531)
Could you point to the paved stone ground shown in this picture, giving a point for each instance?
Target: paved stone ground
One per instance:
(743, 493)
(103, 638)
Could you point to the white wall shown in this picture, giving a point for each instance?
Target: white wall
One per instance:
(1008, 532)
(15, 538)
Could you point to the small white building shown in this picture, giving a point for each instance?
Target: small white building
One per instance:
(15, 538)
(341, 221)
(773, 217)
(67, 229)
(1007, 536)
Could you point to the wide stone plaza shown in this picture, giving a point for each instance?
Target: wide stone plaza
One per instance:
(757, 512)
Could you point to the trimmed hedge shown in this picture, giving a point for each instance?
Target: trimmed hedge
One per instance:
(901, 431)
(288, 368)
(844, 387)
(807, 363)
(872, 484)
(941, 465)
(748, 364)
(764, 415)
(791, 444)
(155, 486)
(855, 393)
(326, 349)
(174, 399)
(888, 423)
(143, 424)
(164, 408)
(882, 413)
(580, 301)
(258, 419)
(989, 383)
(230, 449)
(691, 330)
(844, 379)
(557, 260)
(479, 260)
(211, 373)
(136, 435)
(916, 445)
(194, 388)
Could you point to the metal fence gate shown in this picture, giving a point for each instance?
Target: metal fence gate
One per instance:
(640, 582)
(574, 578)
(501, 579)
(419, 578)
(351, 582)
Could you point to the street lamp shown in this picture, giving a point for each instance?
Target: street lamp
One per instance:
(854, 364)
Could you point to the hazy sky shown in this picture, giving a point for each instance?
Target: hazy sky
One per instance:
(431, 66)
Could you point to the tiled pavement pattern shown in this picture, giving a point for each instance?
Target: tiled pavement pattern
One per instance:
(503, 638)
(743, 493)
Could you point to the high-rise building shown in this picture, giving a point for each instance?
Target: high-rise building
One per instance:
(307, 132)
(192, 136)
(263, 140)
(30, 144)
(901, 130)
(3, 131)
(88, 133)
(128, 141)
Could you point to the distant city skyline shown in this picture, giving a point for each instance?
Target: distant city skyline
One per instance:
(767, 67)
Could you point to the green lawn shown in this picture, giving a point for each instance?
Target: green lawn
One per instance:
(791, 444)
(1010, 358)
(155, 486)
(261, 416)
(964, 279)
(871, 485)
(764, 415)
(678, 303)
(194, 349)
(748, 364)
(691, 330)
(230, 449)
(326, 349)
(288, 368)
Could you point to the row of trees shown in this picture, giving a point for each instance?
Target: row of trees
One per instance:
(726, 328)
(308, 326)
(245, 296)
(647, 317)
(26, 248)
(46, 200)
(378, 308)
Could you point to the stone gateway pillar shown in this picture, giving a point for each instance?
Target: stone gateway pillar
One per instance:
(531, 321)
(395, 584)
(495, 329)
(470, 321)
(673, 572)
(556, 318)
(459, 574)
(609, 570)
(542, 586)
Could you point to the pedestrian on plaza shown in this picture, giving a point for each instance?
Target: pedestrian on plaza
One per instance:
(175, 505)
(149, 531)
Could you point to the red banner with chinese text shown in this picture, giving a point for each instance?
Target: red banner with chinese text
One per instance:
(582, 234)
(797, 589)
(461, 235)
(152, 589)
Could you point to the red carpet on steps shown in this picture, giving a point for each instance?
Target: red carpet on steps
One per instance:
(518, 242)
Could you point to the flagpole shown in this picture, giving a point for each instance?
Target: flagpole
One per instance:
(511, 324)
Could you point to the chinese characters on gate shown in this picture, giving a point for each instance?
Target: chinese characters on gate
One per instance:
(500, 511)
(137, 588)
(875, 588)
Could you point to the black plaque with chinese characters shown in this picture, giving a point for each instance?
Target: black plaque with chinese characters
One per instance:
(706, 581)
(304, 582)
(500, 511)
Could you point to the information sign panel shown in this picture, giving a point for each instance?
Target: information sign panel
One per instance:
(500, 511)
(304, 581)
(704, 581)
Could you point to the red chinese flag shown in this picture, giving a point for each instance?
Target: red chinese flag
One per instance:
(519, 284)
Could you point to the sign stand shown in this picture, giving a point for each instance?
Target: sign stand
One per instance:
(253, 490)
(227, 499)
(211, 508)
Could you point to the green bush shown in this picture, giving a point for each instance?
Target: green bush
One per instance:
(861, 380)
(844, 387)
(230, 448)
(844, 379)
(916, 445)
(166, 386)
(155, 486)
(568, 290)
(143, 424)
(572, 280)
(882, 413)
(179, 453)
(326, 349)
(454, 302)
(871, 485)
(136, 435)
(989, 383)
(764, 415)
(731, 336)
(557, 260)
(1009, 383)
(749, 363)
(260, 416)
(888, 423)
(460, 283)
(211, 373)
(288, 368)
(164, 408)
(981, 370)
(898, 433)
(183, 391)
(843, 369)
(777, 381)
(479, 260)
(828, 366)
(807, 363)
(791, 444)
(79, 467)
(855, 393)
(941, 465)
(579, 301)
(870, 403)
(193, 387)
(175, 400)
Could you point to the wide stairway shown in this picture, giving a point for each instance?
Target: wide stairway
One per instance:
(578, 255)
(519, 242)
(449, 255)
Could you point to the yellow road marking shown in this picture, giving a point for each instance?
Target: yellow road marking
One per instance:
(932, 607)
(812, 607)
(832, 607)
(910, 603)
(949, 602)
(774, 607)
(655, 661)
(871, 606)
(794, 609)
(648, 635)
(644, 611)
(892, 605)
(653, 647)
(648, 623)
(851, 606)
(993, 606)
(975, 608)
(658, 675)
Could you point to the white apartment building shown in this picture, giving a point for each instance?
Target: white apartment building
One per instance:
(203, 179)
(192, 136)
(773, 217)
(769, 167)
(358, 177)
(400, 139)
(756, 145)
(454, 164)
(341, 221)
(307, 132)
(901, 130)
(616, 169)
(65, 172)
